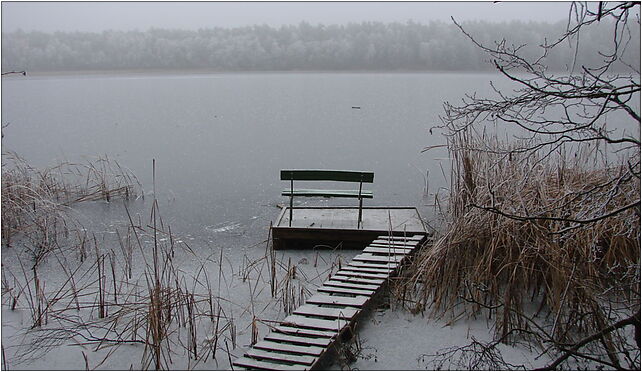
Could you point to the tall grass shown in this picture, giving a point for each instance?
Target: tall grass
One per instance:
(524, 239)
(127, 291)
(36, 202)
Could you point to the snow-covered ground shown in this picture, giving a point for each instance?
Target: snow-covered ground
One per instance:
(238, 277)
(226, 270)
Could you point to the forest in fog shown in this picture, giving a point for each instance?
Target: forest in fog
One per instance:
(375, 46)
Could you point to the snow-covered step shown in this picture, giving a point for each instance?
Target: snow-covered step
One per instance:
(303, 338)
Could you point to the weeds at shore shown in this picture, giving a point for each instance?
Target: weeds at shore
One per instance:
(36, 203)
(124, 292)
(533, 243)
(99, 305)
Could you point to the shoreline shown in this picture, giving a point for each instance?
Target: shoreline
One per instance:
(230, 72)
(193, 72)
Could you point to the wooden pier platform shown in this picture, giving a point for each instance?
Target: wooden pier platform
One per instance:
(308, 338)
(334, 227)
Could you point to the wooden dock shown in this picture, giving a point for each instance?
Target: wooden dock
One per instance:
(334, 227)
(308, 338)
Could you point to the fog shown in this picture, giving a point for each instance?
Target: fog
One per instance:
(251, 36)
(101, 16)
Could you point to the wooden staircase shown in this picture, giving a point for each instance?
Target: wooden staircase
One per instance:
(306, 339)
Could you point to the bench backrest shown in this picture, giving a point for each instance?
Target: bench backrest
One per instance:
(326, 175)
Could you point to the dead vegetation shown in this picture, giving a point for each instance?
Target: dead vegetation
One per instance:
(542, 233)
(35, 202)
(547, 248)
(125, 292)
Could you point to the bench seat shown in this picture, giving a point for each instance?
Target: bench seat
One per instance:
(328, 193)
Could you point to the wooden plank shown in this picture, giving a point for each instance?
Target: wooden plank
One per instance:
(384, 253)
(313, 235)
(365, 194)
(255, 364)
(399, 238)
(391, 251)
(289, 348)
(360, 274)
(297, 331)
(315, 323)
(377, 270)
(372, 258)
(299, 340)
(309, 230)
(338, 283)
(353, 279)
(395, 244)
(350, 291)
(375, 223)
(385, 249)
(280, 357)
(417, 237)
(391, 265)
(328, 312)
(280, 217)
(380, 248)
(326, 175)
(380, 257)
(400, 256)
(337, 300)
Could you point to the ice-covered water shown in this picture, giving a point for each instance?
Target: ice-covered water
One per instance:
(219, 141)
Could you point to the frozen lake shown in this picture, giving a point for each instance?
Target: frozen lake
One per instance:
(219, 141)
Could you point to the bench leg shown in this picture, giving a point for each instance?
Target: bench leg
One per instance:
(360, 204)
(360, 212)
(290, 211)
(291, 197)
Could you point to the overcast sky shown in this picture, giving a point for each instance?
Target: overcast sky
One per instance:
(100, 16)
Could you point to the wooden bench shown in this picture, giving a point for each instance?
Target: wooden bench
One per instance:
(328, 175)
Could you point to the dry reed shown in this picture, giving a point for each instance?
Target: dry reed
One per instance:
(35, 202)
(127, 291)
(533, 236)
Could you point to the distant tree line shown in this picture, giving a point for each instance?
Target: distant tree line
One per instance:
(358, 46)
